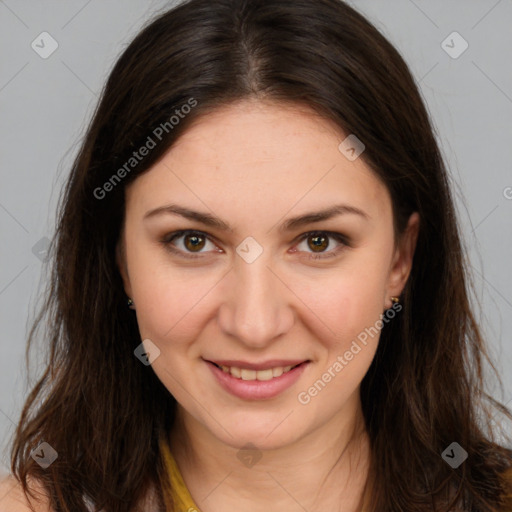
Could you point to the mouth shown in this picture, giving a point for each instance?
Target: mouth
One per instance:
(252, 374)
(257, 381)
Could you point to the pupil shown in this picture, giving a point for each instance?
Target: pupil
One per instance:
(319, 242)
(194, 242)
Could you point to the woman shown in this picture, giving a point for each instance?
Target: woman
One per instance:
(259, 298)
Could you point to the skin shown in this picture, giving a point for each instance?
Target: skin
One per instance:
(255, 164)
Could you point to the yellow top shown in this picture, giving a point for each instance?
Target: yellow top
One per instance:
(178, 499)
(177, 493)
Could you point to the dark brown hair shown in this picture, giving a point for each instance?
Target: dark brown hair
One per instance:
(104, 411)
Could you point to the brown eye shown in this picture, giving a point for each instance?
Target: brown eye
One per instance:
(189, 244)
(193, 242)
(318, 242)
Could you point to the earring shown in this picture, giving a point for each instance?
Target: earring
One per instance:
(395, 300)
(130, 303)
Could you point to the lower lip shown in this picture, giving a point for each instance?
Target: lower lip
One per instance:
(257, 389)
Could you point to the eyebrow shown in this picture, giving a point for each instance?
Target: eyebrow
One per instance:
(295, 222)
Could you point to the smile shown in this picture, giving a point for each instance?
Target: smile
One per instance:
(247, 374)
(267, 381)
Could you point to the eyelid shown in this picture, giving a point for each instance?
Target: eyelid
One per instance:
(339, 237)
(169, 238)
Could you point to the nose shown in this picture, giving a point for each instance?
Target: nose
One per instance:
(257, 307)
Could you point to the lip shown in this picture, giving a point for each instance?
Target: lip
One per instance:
(256, 389)
(265, 365)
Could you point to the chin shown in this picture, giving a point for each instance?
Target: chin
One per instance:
(264, 433)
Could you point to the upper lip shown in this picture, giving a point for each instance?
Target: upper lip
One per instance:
(264, 365)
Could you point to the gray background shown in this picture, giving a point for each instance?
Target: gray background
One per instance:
(46, 104)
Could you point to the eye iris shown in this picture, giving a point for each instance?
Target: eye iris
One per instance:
(196, 241)
(320, 242)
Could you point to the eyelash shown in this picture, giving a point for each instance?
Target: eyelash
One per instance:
(343, 240)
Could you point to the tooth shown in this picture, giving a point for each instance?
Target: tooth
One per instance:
(264, 374)
(277, 372)
(236, 372)
(248, 374)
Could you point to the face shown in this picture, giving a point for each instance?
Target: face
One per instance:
(253, 281)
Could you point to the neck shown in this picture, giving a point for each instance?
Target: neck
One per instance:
(326, 469)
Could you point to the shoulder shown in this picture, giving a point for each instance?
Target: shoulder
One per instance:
(13, 499)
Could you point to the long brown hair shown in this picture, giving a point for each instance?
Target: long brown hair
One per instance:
(103, 411)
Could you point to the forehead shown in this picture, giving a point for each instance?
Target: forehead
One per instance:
(259, 132)
(261, 156)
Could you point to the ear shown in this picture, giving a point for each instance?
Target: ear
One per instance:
(121, 265)
(401, 265)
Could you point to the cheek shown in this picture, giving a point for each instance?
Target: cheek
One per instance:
(171, 301)
(352, 312)
(345, 300)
